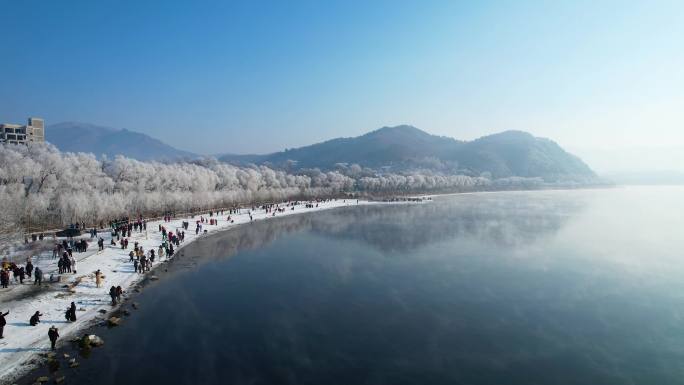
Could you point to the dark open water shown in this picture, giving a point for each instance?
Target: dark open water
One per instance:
(569, 287)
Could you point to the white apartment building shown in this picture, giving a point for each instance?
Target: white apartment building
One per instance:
(34, 131)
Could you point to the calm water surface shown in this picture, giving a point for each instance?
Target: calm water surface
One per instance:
(569, 287)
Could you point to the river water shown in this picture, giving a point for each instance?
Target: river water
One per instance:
(547, 287)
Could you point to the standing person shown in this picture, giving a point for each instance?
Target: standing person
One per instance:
(119, 293)
(38, 276)
(53, 334)
(2, 323)
(35, 318)
(4, 278)
(29, 268)
(72, 312)
(112, 293)
(98, 278)
(73, 264)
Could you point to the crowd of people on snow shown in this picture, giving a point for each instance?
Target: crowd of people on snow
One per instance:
(53, 332)
(66, 264)
(142, 260)
(19, 273)
(34, 320)
(69, 246)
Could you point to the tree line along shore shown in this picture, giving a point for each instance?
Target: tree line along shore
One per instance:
(42, 188)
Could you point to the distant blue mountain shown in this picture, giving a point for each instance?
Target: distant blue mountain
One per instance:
(506, 154)
(99, 140)
(396, 149)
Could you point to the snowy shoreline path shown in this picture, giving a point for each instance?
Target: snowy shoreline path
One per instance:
(23, 343)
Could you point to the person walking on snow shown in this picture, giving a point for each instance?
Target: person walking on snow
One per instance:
(53, 334)
(112, 293)
(72, 313)
(119, 293)
(143, 264)
(38, 276)
(29, 268)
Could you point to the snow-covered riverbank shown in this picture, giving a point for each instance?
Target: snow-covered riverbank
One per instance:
(23, 344)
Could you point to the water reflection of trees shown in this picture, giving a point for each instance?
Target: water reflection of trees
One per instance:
(505, 220)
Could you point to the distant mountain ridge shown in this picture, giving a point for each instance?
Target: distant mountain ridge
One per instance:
(506, 154)
(388, 149)
(100, 140)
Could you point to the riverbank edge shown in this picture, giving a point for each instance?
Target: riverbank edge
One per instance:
(24, 370)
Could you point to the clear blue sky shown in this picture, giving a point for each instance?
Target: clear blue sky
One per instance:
(257, 76)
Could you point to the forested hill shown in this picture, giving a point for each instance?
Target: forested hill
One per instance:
(506, 154)
(397, 149)
(84, 137)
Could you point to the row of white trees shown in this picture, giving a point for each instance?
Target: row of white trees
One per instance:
(41, 187)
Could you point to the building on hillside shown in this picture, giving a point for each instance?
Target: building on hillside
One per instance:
(34, 131)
